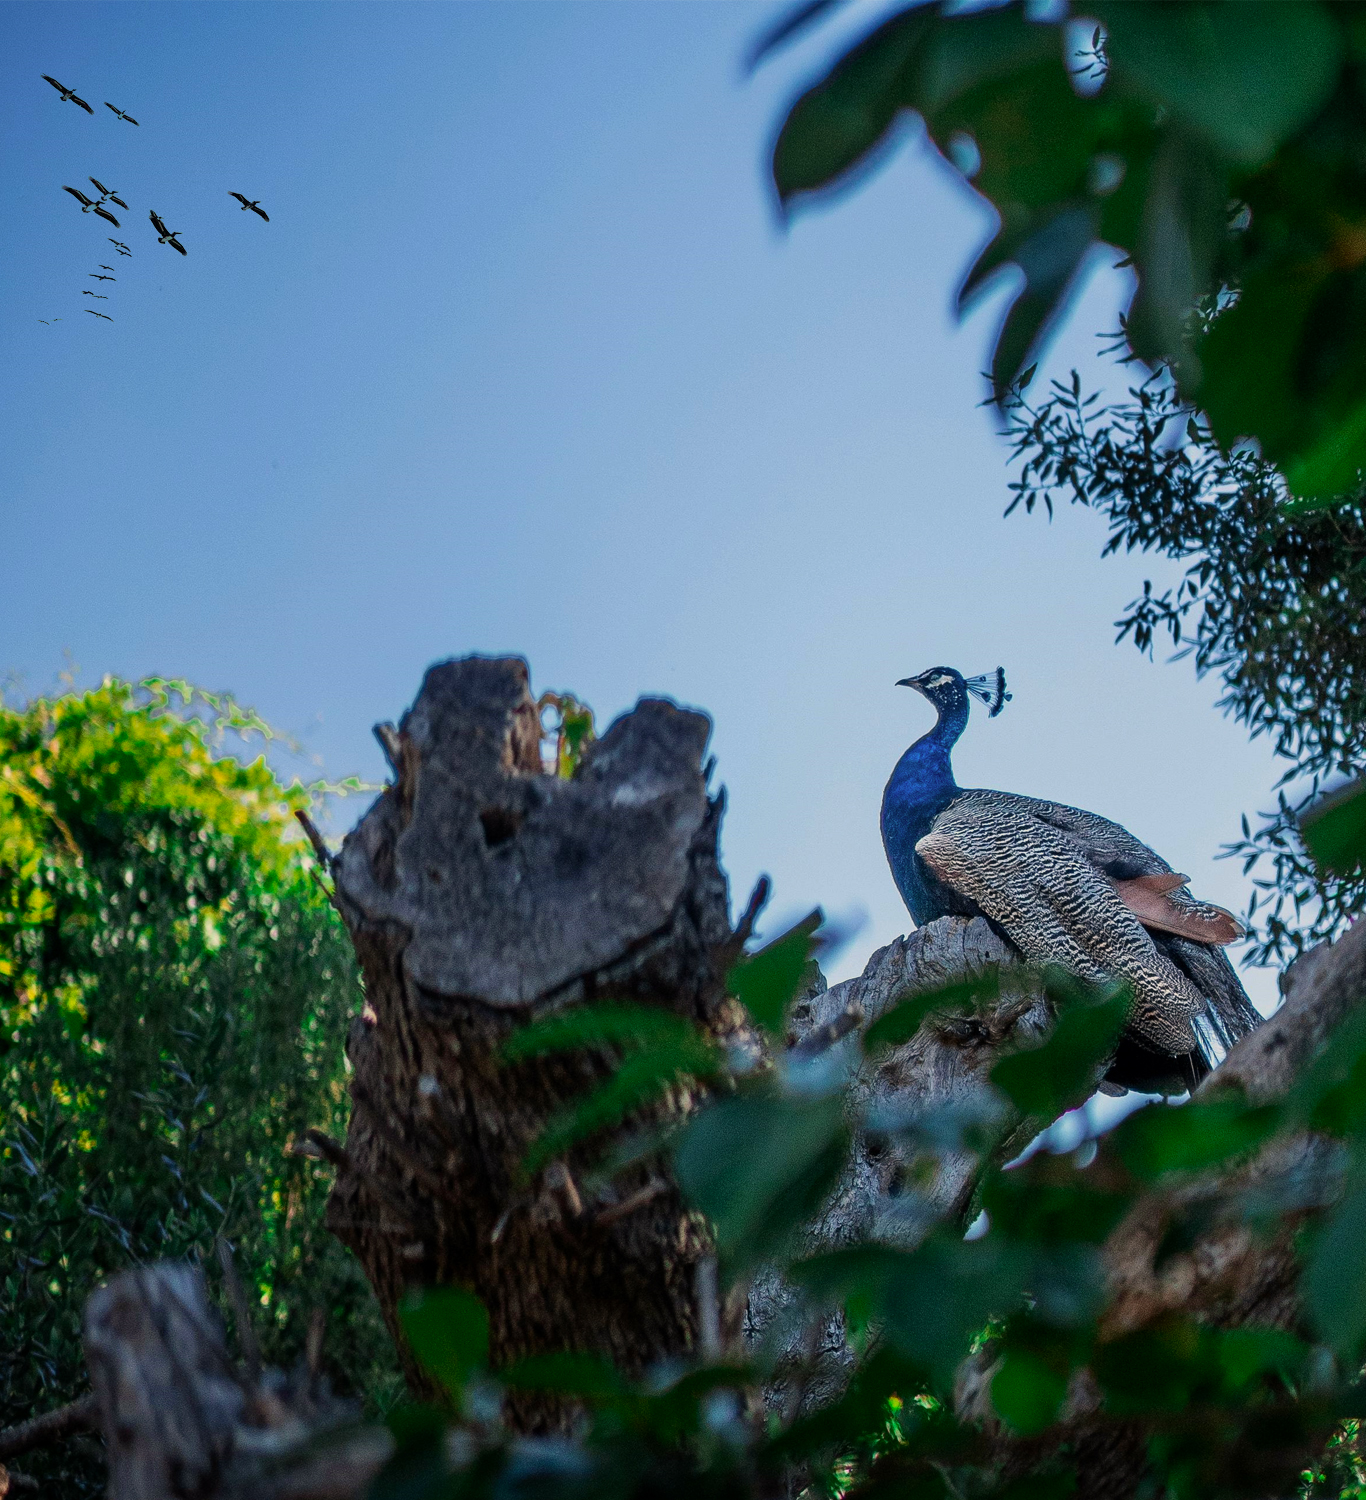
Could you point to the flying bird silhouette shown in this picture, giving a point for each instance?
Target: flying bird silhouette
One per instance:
(67, 93)
(99, 295)
(1069, 888)
(44, 320)
(166, 236)
(254, 204)
(119, 245)
(95, 277)
(108, 193)
(104, 267)
(95, 314)
(120, 113)
(89, 206)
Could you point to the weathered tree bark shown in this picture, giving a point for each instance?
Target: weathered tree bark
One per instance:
(181, 1422)
(481, 893)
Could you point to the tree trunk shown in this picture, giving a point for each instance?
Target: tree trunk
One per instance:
(482, 893)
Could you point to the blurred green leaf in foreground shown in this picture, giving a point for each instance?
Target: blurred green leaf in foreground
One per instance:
(1219, 147)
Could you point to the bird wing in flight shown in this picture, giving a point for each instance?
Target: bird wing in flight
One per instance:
(156, 222)
(100, 186)
(76, 99)
(60, 87)
(1039, 885)
(77, 193)
(260, 211)
(130, 119)
(239, 198)
(175, 244)
(105, 214)
(114, 198)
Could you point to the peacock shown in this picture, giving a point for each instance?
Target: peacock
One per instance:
(1066, 887)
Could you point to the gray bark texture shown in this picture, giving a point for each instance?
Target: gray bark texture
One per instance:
(482, 893)
(181, 1422)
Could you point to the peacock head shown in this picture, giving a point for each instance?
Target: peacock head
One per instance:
(947, 688)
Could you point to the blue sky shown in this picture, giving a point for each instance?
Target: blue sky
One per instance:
(524, 362)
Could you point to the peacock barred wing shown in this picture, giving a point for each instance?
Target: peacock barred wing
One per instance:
(1044, 886)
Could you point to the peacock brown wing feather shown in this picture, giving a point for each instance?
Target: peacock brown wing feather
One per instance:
(1044, 887)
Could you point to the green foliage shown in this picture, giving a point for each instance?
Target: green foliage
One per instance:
(659, 1050)
(571, 727)
(448, 1330)
(1233, 1412)
(1199, 1135)
(1043, 1081)
(174, 986)
(1177, 110)
(900, 1022)
(760, 1164)
(766, 981)
(1334, 830)
(1272, 602)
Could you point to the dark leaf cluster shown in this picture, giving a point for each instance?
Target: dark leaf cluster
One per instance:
(1213, 144)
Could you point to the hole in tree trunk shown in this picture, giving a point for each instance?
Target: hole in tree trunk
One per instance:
(499, 825)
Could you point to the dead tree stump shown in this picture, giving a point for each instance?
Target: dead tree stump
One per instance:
(482, 892)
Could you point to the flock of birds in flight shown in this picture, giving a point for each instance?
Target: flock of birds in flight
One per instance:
(95, 206)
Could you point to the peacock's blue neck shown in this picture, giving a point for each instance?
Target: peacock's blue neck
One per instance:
(920, 788)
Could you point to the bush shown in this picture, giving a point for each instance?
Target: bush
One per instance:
(174, 992)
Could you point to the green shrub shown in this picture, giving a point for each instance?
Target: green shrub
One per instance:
(175, 989)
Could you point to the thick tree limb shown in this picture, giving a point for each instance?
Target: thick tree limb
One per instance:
(51, 1427)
